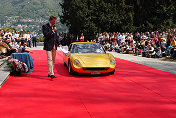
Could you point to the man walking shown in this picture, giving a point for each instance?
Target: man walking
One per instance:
(51, 42)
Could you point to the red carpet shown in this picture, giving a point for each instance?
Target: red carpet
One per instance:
(134, 91)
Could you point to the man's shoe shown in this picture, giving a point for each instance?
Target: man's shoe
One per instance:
(52, 76)
(49, 75)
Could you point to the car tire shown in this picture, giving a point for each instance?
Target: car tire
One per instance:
(112, 72)
(70, 70)
(65, 64)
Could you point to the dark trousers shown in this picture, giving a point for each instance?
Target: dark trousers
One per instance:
(34, 43)
(29, 43)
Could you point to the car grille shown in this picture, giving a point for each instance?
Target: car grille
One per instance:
(95, 69)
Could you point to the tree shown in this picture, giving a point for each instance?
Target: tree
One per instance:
(150, 15)
(91, 16)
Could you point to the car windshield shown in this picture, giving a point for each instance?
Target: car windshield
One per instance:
(87, 48)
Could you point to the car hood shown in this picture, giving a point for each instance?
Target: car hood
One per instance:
(94, 59)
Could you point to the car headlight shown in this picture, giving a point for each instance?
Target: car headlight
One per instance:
(77, 63)
(112, 62)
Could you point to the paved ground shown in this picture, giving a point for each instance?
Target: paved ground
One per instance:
(133, 91)
(39, 46)
(167, 66)
(4, 73)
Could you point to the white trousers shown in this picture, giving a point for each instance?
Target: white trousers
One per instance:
(51, 60)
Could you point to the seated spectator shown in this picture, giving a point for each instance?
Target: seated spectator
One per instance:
(9, 48)
(1, 39)
(112, 46)
(144, 51)
(142, 42)
(150, 50)
(24, 48)
(107, 46)
(123, 47)
(8, 33)
(3, 48)
(116, 46)
(18, 45)
(156, 44)
(159, 53)
(138, 49)
(163, 46)
(173, 52)
(173, 43)
(130, 49)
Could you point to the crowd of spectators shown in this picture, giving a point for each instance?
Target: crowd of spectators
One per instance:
(146, 44)
(67, 38)
(16, 41)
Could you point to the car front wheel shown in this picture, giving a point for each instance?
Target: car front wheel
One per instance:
(65, 64)
(70, 70)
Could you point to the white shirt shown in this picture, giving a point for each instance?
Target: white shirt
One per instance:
(52, 27)
(123, 38)
(8, 33)
(16, 35)
(28, 37)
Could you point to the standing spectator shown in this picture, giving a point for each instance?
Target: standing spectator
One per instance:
(97, 36)
(16, 35)
(82, 37)
(100, 38)
(168, 46)
(28, 36)
(34, 39)
(76, 38)
(123, 38)
(173, 47)
(119, 38)
(25, 35)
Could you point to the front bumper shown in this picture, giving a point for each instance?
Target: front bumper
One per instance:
(93, 69)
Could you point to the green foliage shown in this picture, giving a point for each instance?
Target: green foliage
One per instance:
(91, 16)
(5, 28)
(41, 38)
(29, 8)
(151, 15)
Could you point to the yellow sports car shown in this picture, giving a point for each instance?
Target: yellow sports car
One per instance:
(88, 57)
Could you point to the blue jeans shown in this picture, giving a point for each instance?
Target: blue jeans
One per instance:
(169, 50)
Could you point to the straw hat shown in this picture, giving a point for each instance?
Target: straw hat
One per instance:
(4, 45)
